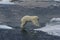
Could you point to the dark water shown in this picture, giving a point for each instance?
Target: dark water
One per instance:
(17, 34)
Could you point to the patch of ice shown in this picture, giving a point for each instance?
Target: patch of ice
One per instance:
(52, 30)
(56, 0)
(55, 19)
(5, 27)
(6, 2)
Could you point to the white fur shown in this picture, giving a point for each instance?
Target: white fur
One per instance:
(27, 18)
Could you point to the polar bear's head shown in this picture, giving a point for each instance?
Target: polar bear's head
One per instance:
(35, 17)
